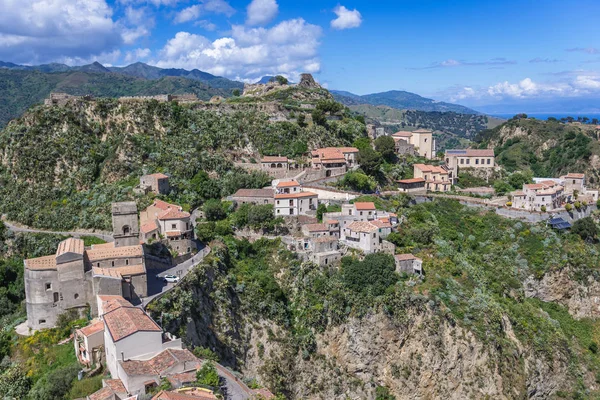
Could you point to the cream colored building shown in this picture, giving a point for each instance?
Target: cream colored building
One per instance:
(468, 158)
(421, 139)
(166, 222)
(368, 236)
(546, 195)
(436, 178)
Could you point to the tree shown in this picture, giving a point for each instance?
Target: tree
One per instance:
(359, 181)
(387, 147)
(518, 179)
(14, 383)
(374, 274)
(320, 210)
(207, 375)
(282, 80)
(383, 393)
(236, 92)
(205, 232)
(56, 384)
(301, 120)
(586, 228)
(318, 117)
(502, 187)
(369, 160)
(213, 210)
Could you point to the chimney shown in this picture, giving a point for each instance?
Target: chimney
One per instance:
(122, 357)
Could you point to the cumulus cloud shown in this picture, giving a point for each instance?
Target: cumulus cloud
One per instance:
(577, 85)
(138, 22)
(288, 48)
(45, 30)
(137, 55)
(261, 12)
(157, 3)
(450, 63)
(346, 18)
(207, 6)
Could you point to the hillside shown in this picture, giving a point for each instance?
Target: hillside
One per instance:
(461, 125)
(548, 148)
(504, 312)
(20, 89)
(400, 100)
(71, 162)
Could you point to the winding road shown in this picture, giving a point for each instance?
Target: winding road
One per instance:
(15, 228)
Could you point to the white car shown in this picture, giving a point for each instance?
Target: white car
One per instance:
(170, 279)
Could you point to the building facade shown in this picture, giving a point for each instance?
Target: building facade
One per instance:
(156, 183)
(421, 140)
(468, 158)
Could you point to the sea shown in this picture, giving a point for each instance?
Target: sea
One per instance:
(545, 116)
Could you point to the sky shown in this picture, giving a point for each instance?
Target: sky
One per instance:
(463, 51)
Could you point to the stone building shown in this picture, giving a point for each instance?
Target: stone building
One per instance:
(412, 185)
(409, 264)
(421, 140)
(72, 277)
(368, 236)
(546, 195)
(436, 178)
(335, 160)
(468, 158)
(254, 196)
(156, 183)
(168, 223)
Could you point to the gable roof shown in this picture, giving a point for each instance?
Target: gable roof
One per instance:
(127, 320)
(295, 195)
(575, 176)
(291, 183)
(149, 227)
(406, 134)
(174, 214)
(95, 327)
(405, 257)
(161, 363)
(163, 205)
(316, 227)
(103, 253)
(267, 159)
(412, 180)
(363, 227)
(41, 263)
(70, 245)
(364, 205)
(112, 302)
(254, 193)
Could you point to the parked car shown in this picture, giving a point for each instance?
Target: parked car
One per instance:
(170, 279)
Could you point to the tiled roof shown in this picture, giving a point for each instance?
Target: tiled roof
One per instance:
(421, 130)
(535, 186)
(109, 245)
(41, 263)
(381, 224)
(97, 254)
(518, 193)
(412, 180)
(316, 227)
(254, 193)
(324, 239)
(195, 394)
(173, 233)
(333, 221)
(405, 257)
(549, 183)
(70, 245)
(149, 227)
(116, 385)
(112, 302)
(95, 327)
(364, 205)
(575, 176)
(112, 388)
(431, 168)
(106, 393)
(403, 134)
(178, 380)
(471, 152)
(163, 205)
(125, 321)
(268, 159)
(295, 195)
(347, 149)
(161, 363)
(159, 175)
(365, 227)
(291, 183)
(174, 214)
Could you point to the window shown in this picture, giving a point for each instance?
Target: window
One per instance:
(277, 201)
(173, 226)
(278, 211)
(189, 250)
(425, 140)
(41, 321)
(462, 160)
(573, 181)
(76, 296)
(447, 161)
(468, 161)
(374, 236)
(126, 230)
(127, 262)
(55, 297)
(98, 265)
(489, 161)
(361, 213)
(112, 263)
(477, 161)
(48, 286)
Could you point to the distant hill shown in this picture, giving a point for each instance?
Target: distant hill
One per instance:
(548, 148)
(22, 88)
(138, 70)
(401, 100)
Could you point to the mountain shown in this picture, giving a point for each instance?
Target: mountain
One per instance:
(21, 88)
(554, 106)
(265, 79)
(401, 100)
(548, 148)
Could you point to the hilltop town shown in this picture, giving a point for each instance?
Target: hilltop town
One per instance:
(212, 249)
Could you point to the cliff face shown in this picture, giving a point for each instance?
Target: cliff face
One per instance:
(423, 352)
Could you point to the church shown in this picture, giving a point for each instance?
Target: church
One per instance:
(73, 277)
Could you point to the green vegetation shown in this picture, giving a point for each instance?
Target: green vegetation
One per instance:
(586, 228)
(374, 274)
(207, 375)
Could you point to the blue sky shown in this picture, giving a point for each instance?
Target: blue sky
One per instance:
(469, 52)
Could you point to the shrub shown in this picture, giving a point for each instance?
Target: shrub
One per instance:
(213, 210)
(586, 228)
(375, 273)
(509, 204)
(568, 207)
(543, 208)
(577, 205)
(207, 375)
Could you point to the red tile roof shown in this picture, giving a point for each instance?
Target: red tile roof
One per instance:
(575, 176)
(41, 263)
(119, 272)
(291, 183)
(412, 180)
(161, 363)
(316, 227)
(269, 159)
(173, 214)
(70, 245)
(381, 224)
(95, 327)
(149, 227)
(163, 205)
(364, 205)
(365, 227)
(254, 193)
(104, 253)
(403, 134)
(116, 385)
(159, 175)
(106, 393)
(125, 321)
(112, 302)
(405, 257)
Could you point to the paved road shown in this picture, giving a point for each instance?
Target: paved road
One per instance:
(156, 287)
(235, 389)
(15, 228)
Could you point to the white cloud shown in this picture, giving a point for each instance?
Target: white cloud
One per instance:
(588, 50)
(44, 30)
(207, 25)
(290, 47)
(157, 3)
(138, 22)
(346, 18)
(207, 6)
(261, 12)
(137, 55)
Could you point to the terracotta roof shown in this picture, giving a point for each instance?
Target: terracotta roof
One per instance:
(430, 168)
(149, 227)
(333, 221)
(195, 394)
(518, 193)
(291, 183)
(324, 239)
(112, 302)
(267, 159)
(174, 214)
(179, 380)
(70, 245)
(109, 245)
(41, 263)
(421, 130)
(161, 363)
(471, 152)
(347, 149)
(97, 254)
(254, 193)
(115, 384)
(575, 176)
(381, 224)
(106, 393)
(95, 327)
(403, 134)
(405, 257)
(412, 180)
(548, 183)
(125, 321)
(535, 186)
(159, 175)
(163, 205)
(173, 233)
(295, 195)
(364, 205)
(316, 227)
(365, 227)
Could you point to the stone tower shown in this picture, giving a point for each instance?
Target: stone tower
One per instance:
(126, 229)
